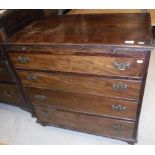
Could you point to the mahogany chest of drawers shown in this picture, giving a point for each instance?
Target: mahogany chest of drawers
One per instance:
(84, 72)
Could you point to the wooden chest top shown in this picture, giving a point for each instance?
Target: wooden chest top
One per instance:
(121, 30)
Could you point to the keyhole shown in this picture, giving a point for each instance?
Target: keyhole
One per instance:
(70, 79)
(75, 99)
(68, 60)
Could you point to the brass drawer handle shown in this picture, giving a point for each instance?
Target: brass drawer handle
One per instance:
(121, 66)
(120, 86)
(40, 97)
(8, 93)
(45, 113)
(24, 59)
(31, 77)
(118, 127)
(118, 107)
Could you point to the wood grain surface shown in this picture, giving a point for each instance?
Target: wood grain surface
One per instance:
(87, 123)
(81, 84)
(5, 71)
(90, 104)
(11, 94)
(133, 67)
(105, 29)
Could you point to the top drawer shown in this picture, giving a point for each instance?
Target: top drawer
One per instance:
(87, 64)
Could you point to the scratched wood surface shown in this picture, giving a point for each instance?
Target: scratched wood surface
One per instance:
(86, 123)
(106, 29)
(99, 65)
(81, 84)
(88, 104)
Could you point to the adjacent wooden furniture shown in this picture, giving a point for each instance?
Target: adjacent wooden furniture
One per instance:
(84, 72)
(10, 88)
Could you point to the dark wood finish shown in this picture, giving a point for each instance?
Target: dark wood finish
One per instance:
(13, 20)
(114, 66)
(88, 30)
(11, 94)
(77, 50)
(84, 72)
(96, 105)
(87, 123)
(81, 84)
(5, 73)
(10, 91)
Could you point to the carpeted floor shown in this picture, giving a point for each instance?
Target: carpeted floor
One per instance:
(18, 127)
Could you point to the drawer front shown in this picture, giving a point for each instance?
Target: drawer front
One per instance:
(83, 103)
(11, 94)
(101, 65)
(81, 84)
(86, 123)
